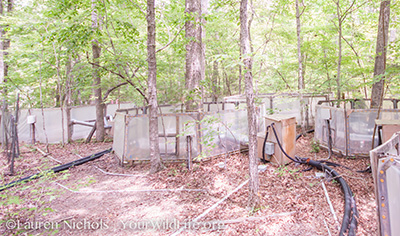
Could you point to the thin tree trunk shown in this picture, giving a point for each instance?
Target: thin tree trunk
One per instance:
(228, 86)
(300, 71)
(240, 73)
(2, 80)
(96, 50)
(377, 93)
(156, 164)
(2, 40)
(339, 51)
(214, 81)
(254, 199)
(4, 45)
(67, 101)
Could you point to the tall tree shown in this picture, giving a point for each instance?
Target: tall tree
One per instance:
(339, 64)
(96, 50)
(194, 55)
(341, 16)
(4, 42)
(380, 58)
(156, 164)
(4, 46)
(300, 71)
(254, 199)
(2, 33)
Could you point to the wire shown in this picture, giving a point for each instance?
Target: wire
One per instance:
(349, 222)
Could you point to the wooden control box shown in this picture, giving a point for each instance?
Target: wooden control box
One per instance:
(285, 127)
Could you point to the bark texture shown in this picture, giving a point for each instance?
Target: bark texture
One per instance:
(300, 71)
(155, 159)
(254, 199)
(96, 50)
(4, 42)
(194, 55)
(339, 65)
(380, 58)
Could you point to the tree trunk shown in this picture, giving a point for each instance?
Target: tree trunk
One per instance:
(96, 78)
(377, 93)
(67, 100)
(300, 72)
(156, 164)
(2, 33)
(240, 74)
(194, 56)
(339, 65)
(4, 44)
(254, 199)
(214, 81)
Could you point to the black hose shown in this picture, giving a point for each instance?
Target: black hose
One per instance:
(349, 221)
(55, 169)
(307, 132)
(279, 143)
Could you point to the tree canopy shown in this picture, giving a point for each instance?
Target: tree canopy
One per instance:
(50, 58)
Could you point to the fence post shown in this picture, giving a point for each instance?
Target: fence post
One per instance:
(189, 151)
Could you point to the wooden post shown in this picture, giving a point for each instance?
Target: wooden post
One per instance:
(189, 151)
(15, 127)
(177, 144)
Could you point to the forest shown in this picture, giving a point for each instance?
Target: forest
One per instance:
(50, 63)
(72, 54)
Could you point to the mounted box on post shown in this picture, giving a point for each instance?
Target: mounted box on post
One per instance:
(285, 126)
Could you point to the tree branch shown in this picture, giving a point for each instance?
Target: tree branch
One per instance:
(283, 78)
(344, 15)
(112, 89)
(172, 40)
(139, 7)
(122, 77)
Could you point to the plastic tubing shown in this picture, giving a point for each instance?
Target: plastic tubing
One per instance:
(55, 169)
(349, 221)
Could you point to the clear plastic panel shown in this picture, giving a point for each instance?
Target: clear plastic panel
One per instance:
(24, 129)
(230, 106)
(137, 139)
(337, 124)
(361, 129)
(387, 104)
(213, 107)
(287, 106)
(167, 127)
(338, 129)
(312, 108)
(187, 126)
(319, 125)
(82, 114)
(119, 135)
(53, 125)
(121, 106)
(390, 115)
(218, 133)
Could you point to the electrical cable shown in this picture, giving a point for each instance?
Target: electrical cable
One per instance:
(349, 221)
(367, 170)
(55, 169)
(307, 132)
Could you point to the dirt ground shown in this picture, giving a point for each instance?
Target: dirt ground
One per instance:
(103, 198)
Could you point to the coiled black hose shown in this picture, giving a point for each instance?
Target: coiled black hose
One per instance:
(55, 169)
(349, 221)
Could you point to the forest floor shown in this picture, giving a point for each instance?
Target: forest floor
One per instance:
(91, 199)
